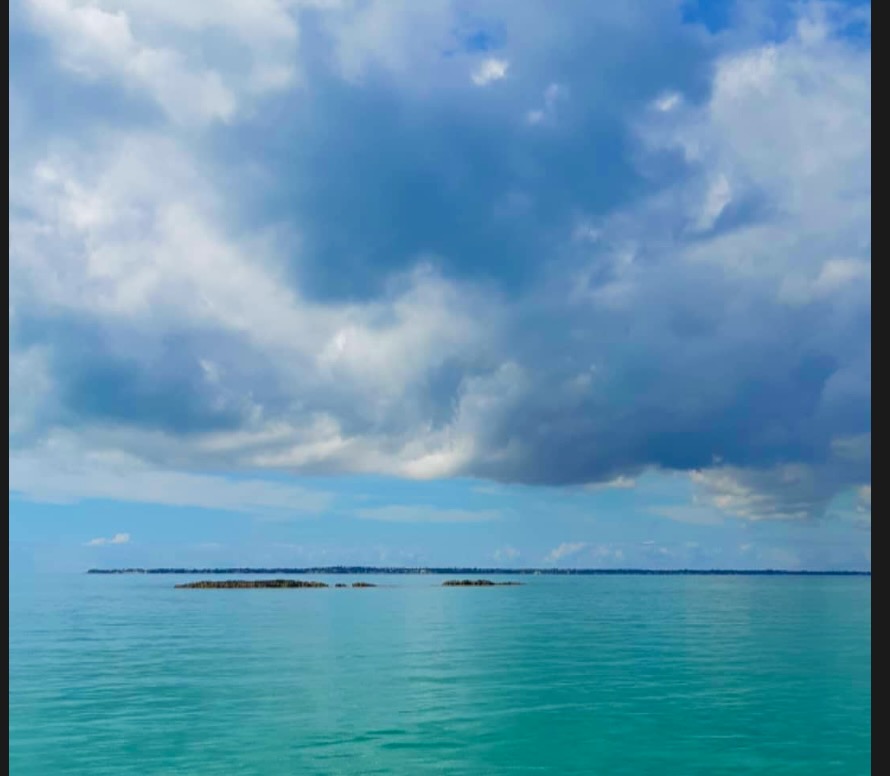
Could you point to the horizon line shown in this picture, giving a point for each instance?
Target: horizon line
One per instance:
(440, 570)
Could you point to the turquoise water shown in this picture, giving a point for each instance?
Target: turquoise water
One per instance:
(565, 675)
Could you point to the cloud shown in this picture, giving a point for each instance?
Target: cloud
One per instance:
(864, 493)
(397, 513)
(599, 555)
(397, 39)
(855, 449)
(668, 101)
(862, 511)
(490, 70)
(620, 482)
(100, 40)
(506, 553)
(607, 554)
(787, 492)
(564, 550)
(60, 473)
(138, 234)
(416, 298)
(553, 94)
(682, 384)
(120, 538)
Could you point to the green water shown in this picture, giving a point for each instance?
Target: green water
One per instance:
(565, 675)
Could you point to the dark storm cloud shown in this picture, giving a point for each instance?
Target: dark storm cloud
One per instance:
(632, 259)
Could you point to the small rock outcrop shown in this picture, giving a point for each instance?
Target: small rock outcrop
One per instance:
(477, 583)
(341, 584)
(363, 584)
(237, 584)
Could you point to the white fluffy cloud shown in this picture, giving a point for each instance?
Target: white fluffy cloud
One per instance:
(119, 538)
(130, 237)
(786, 126)
(788, 492)
(564, 550)
(489, 70)
(152, 48)
(401, 37)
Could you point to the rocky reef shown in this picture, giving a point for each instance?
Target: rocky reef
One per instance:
(477, 583)
(237, 584)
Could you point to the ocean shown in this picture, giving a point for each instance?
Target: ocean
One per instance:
(563, 675)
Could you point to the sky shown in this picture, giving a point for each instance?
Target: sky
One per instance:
(319, 282)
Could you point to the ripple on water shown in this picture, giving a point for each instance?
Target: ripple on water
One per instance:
(615, 675)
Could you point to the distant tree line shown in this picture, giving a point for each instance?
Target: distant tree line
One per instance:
(473, 570)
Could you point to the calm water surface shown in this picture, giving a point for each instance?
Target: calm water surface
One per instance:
(565, 675)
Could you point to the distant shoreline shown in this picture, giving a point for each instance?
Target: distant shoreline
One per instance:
(487, 571)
